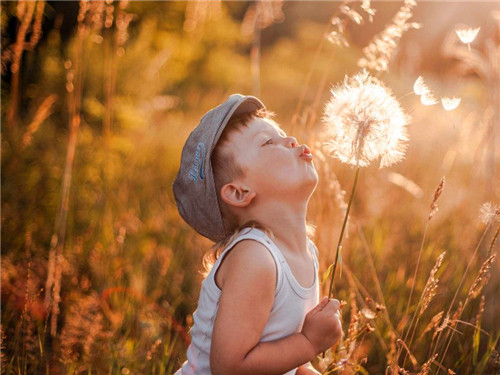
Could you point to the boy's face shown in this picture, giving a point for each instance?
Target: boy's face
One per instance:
(274, 165)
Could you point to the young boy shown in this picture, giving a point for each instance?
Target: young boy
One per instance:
(245, 185)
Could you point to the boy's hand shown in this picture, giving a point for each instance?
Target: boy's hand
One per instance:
(307, 369)
(322, 325)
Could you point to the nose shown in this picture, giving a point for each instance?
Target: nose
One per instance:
(292, 142)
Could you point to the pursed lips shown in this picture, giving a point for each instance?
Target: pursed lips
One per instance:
(306, 153)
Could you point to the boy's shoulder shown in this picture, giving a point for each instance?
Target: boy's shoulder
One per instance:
(250, 259)
(250, 253)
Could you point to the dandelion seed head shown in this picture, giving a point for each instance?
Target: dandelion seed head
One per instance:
(419, 87)
(368, 314)
(428, 98)
(468, 35)
(449, 104)
(364, 122)
(489, 212)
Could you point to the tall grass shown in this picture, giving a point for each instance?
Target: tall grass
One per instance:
(100, 274)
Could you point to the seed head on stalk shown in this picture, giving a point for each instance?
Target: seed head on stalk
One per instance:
(489, 212)
(364, 122)
(467, 35)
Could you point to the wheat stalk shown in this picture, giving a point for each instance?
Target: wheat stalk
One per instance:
(74, 87)
(433, 209)
(25, 11)
(476, 287)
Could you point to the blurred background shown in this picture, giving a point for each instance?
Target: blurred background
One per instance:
(99, 272)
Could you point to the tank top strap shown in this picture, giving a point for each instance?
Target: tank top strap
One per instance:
(314, 252)
(261, 237)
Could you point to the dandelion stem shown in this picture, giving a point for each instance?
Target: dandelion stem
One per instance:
(339, 245)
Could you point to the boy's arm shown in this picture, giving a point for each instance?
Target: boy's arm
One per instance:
(248, 287)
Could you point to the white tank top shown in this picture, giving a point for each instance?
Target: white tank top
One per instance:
(291, 303)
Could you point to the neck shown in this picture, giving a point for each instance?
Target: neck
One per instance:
(287, 222)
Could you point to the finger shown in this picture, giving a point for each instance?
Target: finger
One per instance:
(334, 303)
(318, 307)
(321, 305)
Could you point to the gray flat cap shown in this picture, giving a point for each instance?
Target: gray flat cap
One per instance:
(194, 187)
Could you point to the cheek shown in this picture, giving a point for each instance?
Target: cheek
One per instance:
(278, 166)
(281, 171)
(269, 174)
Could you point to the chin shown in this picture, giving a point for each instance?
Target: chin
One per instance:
(314, 178)
(310, 183)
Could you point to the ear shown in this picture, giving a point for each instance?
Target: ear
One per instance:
(237, 195)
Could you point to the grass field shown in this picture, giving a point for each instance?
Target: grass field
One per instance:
(100, 275)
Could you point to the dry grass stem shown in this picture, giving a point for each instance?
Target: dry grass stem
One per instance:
(444, 324)
(482, 278)
(434, 322)
(430, 288)
(429, 292)
(460, 307)
(480, 311)
(426, 367)
(341, 18)
(25, 10)
(108, 280)
(402, 344)
(492, 243)
(43, 111)
(433, 210)
(74, 87)
(405, 183)
(437, 194)
(36, 31)
(379, 52)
